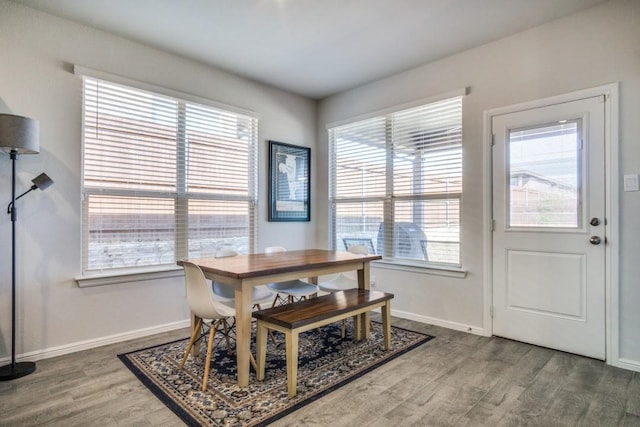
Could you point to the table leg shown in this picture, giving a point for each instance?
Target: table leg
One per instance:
(314, 281)
(243, 296)
(357, 327)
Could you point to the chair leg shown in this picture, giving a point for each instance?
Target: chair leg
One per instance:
(212, 331)
(344, 327)
(273, 338)
(226, 334)
(195, 333)
(253, 362)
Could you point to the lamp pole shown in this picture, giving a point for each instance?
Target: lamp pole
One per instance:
(14, 370)
(18, 135)
(23, 368)
(14, 156)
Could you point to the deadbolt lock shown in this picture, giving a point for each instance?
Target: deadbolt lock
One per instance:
(595, 221)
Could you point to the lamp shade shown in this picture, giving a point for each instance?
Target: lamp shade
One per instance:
(19, 134)
(42, 181)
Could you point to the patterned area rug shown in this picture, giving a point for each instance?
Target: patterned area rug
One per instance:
(326, 362)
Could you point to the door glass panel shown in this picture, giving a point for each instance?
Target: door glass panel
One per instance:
(545, 169)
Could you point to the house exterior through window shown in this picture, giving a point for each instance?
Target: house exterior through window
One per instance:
(396, 183)
(163, 178)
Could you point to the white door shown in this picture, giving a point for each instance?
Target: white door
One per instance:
(548, 238)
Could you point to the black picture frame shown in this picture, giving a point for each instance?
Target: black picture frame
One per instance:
(289, 182)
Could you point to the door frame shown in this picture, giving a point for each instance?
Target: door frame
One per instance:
(612, 199)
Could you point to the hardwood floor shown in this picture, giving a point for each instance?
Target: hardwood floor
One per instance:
(458, 379)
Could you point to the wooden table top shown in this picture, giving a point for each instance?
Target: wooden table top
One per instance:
(255, 265)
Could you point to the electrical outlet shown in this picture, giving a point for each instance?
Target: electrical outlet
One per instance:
(631, 182)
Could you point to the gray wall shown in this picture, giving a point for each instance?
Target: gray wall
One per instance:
(36, 80)
(592, 48)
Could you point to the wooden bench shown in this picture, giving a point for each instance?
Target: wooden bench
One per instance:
(292, 319)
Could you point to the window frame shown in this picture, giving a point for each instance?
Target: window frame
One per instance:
(390, 199)
(181, 197)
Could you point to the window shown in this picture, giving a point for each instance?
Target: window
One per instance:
(545, 169)
(163, 178)
(396, 179)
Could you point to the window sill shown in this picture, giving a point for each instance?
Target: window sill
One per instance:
(117, 278)
(405, 265)
(137, 276)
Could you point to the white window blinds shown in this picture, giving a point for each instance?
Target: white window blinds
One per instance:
(163, 178)
(396, 183)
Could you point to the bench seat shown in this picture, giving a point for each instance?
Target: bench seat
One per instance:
(292, 319)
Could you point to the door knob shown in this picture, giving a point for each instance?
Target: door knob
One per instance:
(595, 221)
(595, 240)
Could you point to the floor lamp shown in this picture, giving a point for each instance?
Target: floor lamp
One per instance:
(18, 135)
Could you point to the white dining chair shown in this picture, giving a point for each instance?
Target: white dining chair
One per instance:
(208, 311)
(293, 290)
(261, 295)
(347, 279)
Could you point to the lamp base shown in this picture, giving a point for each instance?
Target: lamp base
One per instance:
(20, 369)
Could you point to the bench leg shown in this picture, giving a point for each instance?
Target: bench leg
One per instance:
(261, 349)
(357, 327)
(291, 338)
(386, 324)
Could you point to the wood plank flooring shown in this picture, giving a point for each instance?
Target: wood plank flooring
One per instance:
(458, 379)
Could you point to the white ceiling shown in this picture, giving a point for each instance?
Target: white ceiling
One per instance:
(312, 47)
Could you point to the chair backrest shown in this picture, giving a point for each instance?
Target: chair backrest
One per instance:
(406, 242)
(359, 249)
(221, 289)
(274, 249)
(351, 241)
(199, 292)
(226, 252)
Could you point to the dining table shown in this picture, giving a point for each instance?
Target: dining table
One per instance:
(244, 272)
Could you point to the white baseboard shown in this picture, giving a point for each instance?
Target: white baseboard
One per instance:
(439, 322)
(47, 353)
(97, 342)
(632, 365)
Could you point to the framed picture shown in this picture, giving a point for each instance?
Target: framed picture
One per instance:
(289, 182)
